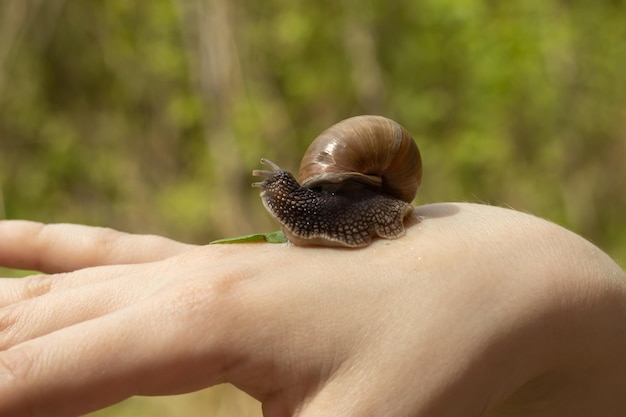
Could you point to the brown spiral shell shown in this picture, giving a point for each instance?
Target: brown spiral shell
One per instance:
(371, 150)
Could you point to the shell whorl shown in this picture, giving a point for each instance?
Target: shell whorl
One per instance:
(372, 150)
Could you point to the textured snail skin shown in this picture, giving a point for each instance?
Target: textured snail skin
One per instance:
(347, 217)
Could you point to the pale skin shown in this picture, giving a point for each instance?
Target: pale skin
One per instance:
(477, 311)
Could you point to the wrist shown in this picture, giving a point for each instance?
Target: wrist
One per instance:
(572, 349)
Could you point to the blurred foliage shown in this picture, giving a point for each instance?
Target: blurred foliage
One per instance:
(149, 117)
(219, 401)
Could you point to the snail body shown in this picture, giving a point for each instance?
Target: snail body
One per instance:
(356, 181)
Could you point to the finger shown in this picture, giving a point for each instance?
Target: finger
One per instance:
(15, 290)
(29, 319)
(63, 306)
(66, 247)
(142, 349)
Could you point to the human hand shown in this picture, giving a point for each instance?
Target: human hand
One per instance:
(476, 311)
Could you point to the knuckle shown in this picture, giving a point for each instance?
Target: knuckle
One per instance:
(37, 285)
(10, 316)
(108, 235)
(213, 301)
(229, 284)
(105, 239)
(16, 366)
(15, 317)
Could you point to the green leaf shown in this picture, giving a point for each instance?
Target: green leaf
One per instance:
(271, 237)
(276, 237)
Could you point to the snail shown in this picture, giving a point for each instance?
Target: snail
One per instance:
(356, 181)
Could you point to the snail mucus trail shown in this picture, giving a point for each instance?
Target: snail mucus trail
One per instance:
(356, 181)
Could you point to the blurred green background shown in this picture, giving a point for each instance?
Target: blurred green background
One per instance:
(149, 116)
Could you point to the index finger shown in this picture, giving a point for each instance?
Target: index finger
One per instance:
(55, 248)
